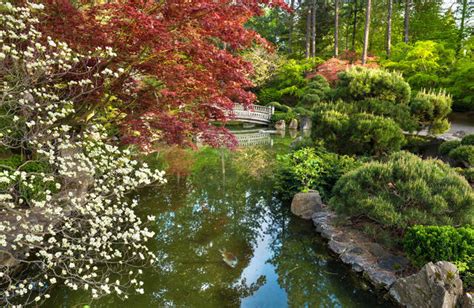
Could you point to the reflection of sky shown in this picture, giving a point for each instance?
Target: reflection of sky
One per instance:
(270, 294)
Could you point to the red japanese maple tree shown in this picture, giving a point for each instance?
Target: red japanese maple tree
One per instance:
(182, 67)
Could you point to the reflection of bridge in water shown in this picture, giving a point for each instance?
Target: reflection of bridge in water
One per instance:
(253, 114)
(254, 137)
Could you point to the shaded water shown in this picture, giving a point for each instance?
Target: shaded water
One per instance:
(226, 202)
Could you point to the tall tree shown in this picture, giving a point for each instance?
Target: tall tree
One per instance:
(354, 23)
(308, 30)
(366, 31)
(313, 28)
(336, 28)
(389, 27)
(406, 22)
(464, 13)
(291, 26)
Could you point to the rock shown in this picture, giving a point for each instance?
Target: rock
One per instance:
(435, 285)
(323, 223)
(305, 205)
(357, 257)
(306, 124)
(380, 278)
(293, 124)
(338, 247)
(280, 125)
(467, 300)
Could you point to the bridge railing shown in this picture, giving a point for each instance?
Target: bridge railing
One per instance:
(253, 113)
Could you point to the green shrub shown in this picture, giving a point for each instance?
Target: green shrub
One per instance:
(268, 95)
(359, 133)
(461, 85)
(463, 155)
(285, 116)
(430, 110)
(468, 174)
(280, 107)
(374, 135)
(404, 191)
(423, 64)
(425, 244)
(360, 83)
(448, 146)
(468, 140)
(310, 168)
(289, 82)
(317, 90)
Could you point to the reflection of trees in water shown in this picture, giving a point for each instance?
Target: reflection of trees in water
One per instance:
(309, 275)
(197, 216)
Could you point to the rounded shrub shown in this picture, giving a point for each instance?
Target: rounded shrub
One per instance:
(430, 109)
(404, 191)
(360, 83)
(468, 140)
(448, 146)
(425, 244)
(360, 133)
(463, 155)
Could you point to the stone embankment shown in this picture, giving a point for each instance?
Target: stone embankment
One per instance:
(435, 285)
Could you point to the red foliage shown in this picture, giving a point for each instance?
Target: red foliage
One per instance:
(180, 74)
(332, 67)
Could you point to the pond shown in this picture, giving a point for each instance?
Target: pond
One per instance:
(218, 201)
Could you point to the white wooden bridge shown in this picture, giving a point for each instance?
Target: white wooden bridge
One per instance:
(252, 114)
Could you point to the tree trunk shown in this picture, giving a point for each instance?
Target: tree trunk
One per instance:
(354, 25)
(336, 28)
(290, 30)
(463, 22)
(308, 31)
(313, 30)
(406, 20)
(389, 28)
(366, 31)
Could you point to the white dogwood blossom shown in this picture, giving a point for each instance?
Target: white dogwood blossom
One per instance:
(65, 214)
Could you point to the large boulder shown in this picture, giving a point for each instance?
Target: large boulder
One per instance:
(293, 124)
(280, 125)
(305, 204)
(306, 123)
(434, 286)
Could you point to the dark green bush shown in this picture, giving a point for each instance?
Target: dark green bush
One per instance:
(285, 116)
(404, 191)
(468, 174)
(317, 90)
(468, 140)
(461, 85)
(463, 155)
(310, 168)
(448, 146)
(268, 95)
(425, 244)
(430, 110)
(359, 133)
(289, 83)
(360, 83)
(280, 107)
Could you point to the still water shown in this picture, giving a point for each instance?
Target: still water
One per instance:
(219, 201)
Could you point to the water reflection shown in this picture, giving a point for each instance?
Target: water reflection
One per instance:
(222, 204)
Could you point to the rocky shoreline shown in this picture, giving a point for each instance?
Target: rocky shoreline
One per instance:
(435, 285)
